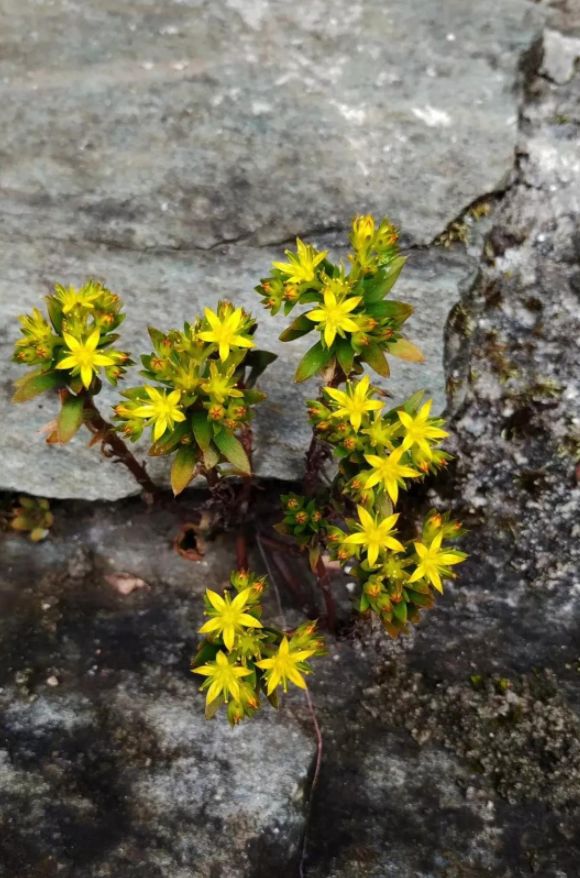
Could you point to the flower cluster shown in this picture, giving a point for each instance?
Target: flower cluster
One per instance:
(241, 658)
(71, 346)
(396, 579)
(199, 393)
(348, 308)
(32, 516)
(379, 453)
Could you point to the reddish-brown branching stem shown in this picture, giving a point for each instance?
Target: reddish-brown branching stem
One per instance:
(114, 447)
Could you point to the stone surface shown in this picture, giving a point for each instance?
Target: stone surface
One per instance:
(451, 753)
(560, 56)
(165, 290)
(141, 142)
(107, 766)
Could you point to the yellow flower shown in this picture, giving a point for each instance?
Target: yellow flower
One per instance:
(334, 316)
(83, 357)
(433, 562)
(389, 472)
(69, 298)
(354, 402)
(284, 666)
(302, 265)
(163, 411)
(363, 231)
(220, 385)
(380, 432)
(229, 617)
(34, 327)
(418, 430)
(375, 535)
(224, 675)
(224, 332)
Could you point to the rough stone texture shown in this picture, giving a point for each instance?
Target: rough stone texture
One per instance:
(141, 138)
(107, 766)
(164, 290)
(452, 753)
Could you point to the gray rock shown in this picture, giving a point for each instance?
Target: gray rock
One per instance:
(560, 55)
(107, 765)
(137, 148)
(166, 290)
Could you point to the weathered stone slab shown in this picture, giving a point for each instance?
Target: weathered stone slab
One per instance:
(166, 290)
(136, 147)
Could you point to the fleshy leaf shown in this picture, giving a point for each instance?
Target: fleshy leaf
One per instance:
(35, 383)
(312, 362)
(201, 429)
(69, 418)
(299, 327)
(375, 357)
(406, 350)
(183, 468)
(233, 450)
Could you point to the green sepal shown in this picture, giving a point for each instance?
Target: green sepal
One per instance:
(315, 359)
(299, 327)
(183, 468)
(201, 429)
(69, 418)
(233, 450)
(35, 383)
(375, 357)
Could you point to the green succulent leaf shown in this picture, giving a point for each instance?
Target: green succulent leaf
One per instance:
(382, 283)
(406, 350)
(201, 430)
(345, 356)
(258, 362)
(400, 612)
(69, 418)
(35, 383)
(299, 327)
(233, 450)
(183, 468)
(313, 361)
(376, 359)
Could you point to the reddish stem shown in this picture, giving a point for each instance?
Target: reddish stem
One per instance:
(113, 446)
(323, 580)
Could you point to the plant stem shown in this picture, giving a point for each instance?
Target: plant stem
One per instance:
(113, 446)
(319, 452)
(324, 582)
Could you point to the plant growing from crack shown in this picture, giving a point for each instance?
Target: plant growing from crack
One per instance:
(197, 403)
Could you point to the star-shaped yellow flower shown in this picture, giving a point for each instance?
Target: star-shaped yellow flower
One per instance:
(389, 472)
(220, 385)
(302, 265)
(223, 676)
(418, 430)
(375, 535)
(224, 332)
(69, 298)
(229, 617)
(334, 316)
(433, 562)
(354, 402)
(162, 412)
(284, 666)
(83, 357)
